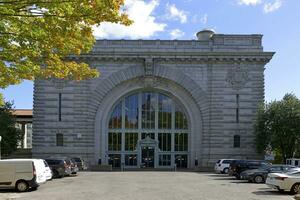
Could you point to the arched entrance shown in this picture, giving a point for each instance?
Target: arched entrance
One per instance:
(148, 129)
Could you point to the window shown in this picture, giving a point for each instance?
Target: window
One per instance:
(237, 110)
(164, 160)
(131, 141)
(59, 139)
(180, 118)
(147, 114)
(115, 121)
(164, 112)
(236, 141)
(131, 112)
(131, 160)
(148, 110)
(181, 142)
(59, 107)
(114, 141)
(164, 141)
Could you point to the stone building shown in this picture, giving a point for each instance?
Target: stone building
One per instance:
(24, 123)
(157, 103)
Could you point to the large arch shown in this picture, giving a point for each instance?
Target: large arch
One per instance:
(118, 85)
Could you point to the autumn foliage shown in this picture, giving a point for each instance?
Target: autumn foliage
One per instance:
(37, 36)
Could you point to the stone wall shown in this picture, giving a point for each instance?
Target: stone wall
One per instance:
(205, 75)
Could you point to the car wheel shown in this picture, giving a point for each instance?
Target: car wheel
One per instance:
(55, 174)
(225, 170)
(258, 179)
(22, 186)
(295, 188)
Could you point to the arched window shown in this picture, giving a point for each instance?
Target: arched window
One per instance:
(236, 141)
(145, 115)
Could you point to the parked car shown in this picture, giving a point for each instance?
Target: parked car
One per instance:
(48, 172)
(260, 175)
(285, 181)
(80, 163)
(22, 174)
(232, 167)
(74, 167)
(243, 165)
(222, 166)
(59, 166)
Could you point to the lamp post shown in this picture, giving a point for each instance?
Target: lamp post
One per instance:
(0, 146)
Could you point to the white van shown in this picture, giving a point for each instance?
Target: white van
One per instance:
(22, 174)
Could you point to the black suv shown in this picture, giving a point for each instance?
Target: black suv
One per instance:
(236, 168)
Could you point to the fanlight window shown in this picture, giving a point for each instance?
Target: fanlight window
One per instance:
(147, 115)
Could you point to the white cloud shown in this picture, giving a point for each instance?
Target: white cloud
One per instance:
(249, 2)
(144, 26)
(200, 19)
(173, 13)
(176, 33)
(270, 7)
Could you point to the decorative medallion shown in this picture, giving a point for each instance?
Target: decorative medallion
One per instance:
(237, 77)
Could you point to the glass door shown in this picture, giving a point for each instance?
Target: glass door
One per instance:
(147, 157)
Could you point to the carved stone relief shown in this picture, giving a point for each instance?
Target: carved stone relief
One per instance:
(237, 77)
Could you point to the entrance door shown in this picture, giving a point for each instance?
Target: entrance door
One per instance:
(147, 157)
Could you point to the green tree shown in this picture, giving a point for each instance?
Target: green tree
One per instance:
(278, 126)
(1, 99)
(37, 36)
(9, 133)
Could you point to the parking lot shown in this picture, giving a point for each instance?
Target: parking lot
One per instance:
(148, 186)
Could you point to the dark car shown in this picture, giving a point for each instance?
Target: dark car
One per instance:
(59, 166)
(232, 167)
(80, 163)
(242, 165)
(74, 167)
(260, 175)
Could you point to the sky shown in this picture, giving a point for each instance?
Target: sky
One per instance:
(277, 20)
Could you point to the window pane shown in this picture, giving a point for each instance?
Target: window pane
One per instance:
(164, 141)
(164, 160)
(236, 141)
(181, 142)
(131, 141)
(131, 112)
(148, 110)
(131, 160)
(115, 120)
(164, 112)
(114, 160)
(59, 139)
(180, 118)
(114, 141)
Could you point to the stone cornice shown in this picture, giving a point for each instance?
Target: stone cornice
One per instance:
(203, 57)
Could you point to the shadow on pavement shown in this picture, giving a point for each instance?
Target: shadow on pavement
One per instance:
(271, 193)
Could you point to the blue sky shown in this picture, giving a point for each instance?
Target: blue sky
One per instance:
(277, 20)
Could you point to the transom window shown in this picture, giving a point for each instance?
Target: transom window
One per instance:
(148, 115)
